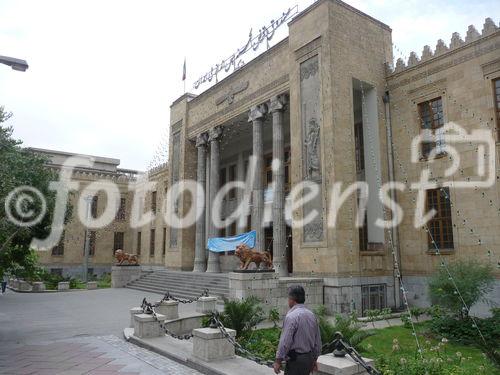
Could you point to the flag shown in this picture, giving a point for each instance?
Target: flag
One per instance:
(184, 70)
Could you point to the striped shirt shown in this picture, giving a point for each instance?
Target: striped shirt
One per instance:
(300, 333)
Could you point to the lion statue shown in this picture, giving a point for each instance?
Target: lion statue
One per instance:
(122, 256)
(247, 256)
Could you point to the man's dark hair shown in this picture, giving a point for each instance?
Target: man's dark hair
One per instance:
(297, 293)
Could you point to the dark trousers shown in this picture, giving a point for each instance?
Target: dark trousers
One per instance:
(4, 285)
(302, 365)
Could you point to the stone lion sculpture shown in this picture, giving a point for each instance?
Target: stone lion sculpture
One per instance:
(247, 256)
(122, 256)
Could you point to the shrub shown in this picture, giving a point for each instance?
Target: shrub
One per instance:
(465, 332)
(104, 281)
(242, 316)
(348, 326)
(274, 316)
(473, 280)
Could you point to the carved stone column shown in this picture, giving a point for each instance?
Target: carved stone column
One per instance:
(257, 115)
(277, 107)
(214, 136)
(199, 251)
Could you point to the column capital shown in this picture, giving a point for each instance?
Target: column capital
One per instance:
(201, 140)
(257, 112)
(215, 133)
(278, 103)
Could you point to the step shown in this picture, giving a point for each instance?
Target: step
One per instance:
(182, 284)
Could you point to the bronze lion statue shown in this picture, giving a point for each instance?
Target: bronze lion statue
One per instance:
(247, 256)
(122, 256)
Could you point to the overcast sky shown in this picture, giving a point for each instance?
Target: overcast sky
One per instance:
(103, 73)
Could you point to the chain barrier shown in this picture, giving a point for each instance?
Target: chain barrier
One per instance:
(340, 348)
(149, 308)
(216, 323)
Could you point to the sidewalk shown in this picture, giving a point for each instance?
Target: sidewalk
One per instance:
(103, 355)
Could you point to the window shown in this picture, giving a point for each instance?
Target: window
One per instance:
(120, 214)
(139, 244)
(496, 89)
(118, 241)
(58, 250)
(359, 147)
(268, 169)
(164, 242)
(440, 226)
(153, 202)
(373, 297)
(152, 243)
(222, 177)
(93, 207)
(232, 177)
(431, 118)
(92, 241)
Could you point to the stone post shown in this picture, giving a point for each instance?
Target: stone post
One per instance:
(257, 116)
(169, 308)
(206, 305)
(209, 344)
(280, 262)
(199, 252)
(133, 312)
(63, 285)
(145, 325)
(38, 286)
(330, 365)
(214, 136)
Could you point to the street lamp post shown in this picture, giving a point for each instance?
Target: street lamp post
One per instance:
(88, 199)
(16, 64)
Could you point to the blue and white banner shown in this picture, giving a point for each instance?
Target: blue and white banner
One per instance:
(223, 244)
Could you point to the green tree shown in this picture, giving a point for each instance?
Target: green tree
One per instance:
(472, 279)
(21, 167)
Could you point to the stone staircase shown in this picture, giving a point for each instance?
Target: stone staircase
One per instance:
(182, 284)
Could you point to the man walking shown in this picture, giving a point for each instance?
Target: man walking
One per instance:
(300, 341)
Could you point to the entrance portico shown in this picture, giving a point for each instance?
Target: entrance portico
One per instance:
(236, 151)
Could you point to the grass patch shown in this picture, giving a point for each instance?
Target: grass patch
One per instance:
(457, 359)
(382, 345)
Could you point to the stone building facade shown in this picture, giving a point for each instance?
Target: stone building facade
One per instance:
(67, 257)
(328, 106)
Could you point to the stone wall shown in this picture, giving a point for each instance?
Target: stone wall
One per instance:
(272, 290)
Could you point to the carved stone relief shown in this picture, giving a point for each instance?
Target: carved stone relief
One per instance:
(311, 147)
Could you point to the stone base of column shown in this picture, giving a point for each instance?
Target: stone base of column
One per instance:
(213, 265)
(199, 266)
(209, 344)
(330, 365)
(145, 325)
